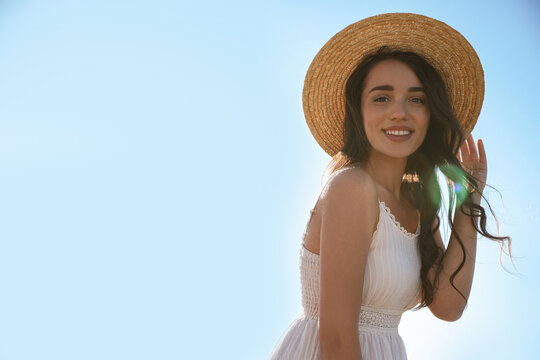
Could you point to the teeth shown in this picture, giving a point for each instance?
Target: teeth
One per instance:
(398, 132)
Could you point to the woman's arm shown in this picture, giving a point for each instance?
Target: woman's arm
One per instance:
(349, 217)
(448, 304)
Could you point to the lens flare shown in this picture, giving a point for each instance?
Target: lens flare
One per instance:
(456, 177)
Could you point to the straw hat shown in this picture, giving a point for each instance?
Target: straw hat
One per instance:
(440, 45)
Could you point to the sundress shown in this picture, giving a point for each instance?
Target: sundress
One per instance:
(392, 286)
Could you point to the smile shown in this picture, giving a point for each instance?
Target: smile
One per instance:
(398, 135)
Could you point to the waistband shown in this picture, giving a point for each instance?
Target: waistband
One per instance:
(371, 320)
(380, 320)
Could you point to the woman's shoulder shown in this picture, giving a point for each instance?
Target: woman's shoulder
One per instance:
(350, 207)
(351, 182)
(352, 176)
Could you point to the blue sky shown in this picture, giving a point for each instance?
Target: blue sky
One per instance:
(157, 174)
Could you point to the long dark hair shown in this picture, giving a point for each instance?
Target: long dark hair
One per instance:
(438, 151)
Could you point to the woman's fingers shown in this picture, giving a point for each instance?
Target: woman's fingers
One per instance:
(482, 150)
(472, 148)
(465, 155)
(469, 153)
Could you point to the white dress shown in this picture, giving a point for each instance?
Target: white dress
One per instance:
(391, 286)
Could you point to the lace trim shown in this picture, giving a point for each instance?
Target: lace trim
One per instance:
(401, 228)
(379, 319)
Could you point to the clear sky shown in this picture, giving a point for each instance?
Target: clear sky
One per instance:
(157, 174)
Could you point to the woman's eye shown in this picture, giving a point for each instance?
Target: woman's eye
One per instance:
(381, 99)
(417, 100)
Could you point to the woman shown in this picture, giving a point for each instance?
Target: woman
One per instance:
(392, 98)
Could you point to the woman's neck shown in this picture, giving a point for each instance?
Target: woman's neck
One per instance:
(388, 173)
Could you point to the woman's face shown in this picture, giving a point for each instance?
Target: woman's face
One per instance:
(393, 99)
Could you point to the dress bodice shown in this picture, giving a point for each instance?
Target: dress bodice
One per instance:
(391, 286)
(391, 279)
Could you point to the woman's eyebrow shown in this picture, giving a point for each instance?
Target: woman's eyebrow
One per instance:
(390, 87)
(382, 87)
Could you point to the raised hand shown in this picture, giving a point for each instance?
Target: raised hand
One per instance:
(473, 161)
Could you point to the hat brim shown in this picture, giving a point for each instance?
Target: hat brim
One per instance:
(440, 45)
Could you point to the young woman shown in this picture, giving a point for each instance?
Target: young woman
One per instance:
(392, 98)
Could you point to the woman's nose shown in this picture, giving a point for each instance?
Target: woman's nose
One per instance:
(398, 111)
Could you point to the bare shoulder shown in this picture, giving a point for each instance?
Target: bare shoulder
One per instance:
(352, 184)
(349, 209)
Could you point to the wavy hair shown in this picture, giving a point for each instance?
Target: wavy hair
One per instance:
(438, 151)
